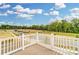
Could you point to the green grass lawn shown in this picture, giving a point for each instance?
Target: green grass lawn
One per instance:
(5, 34)
(49, 32)
(9, 33)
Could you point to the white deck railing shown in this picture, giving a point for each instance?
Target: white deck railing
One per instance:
(66, 45)
(61, 44)
(13, 44)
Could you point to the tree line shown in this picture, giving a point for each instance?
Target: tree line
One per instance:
(71, 26)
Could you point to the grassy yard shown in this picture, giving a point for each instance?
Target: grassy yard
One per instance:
(28, 31)
(4, 33)
(11, 33)
(66, 34)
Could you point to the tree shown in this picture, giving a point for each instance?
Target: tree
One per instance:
(75, 25)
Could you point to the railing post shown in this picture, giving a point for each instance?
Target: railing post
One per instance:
(0, 47)
(78, 45)
(52, 40)
(22, 41)
(37, 38)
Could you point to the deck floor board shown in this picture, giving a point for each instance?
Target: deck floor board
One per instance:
(36, 50)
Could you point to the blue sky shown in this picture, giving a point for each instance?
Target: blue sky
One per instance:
(36, 13)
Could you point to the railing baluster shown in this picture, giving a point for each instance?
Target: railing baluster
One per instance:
(59, 41)
(62, 45)
(10, 44)
(4, 47)
(78, 45)
(0, 47)
(13, 44)
(37, 37)
(27, 38)
(69, 45)
(77, 49)
(63, 38)
(66, 43)
(7, 46)
(59, 45)
(17, 43)
(63, 42)
(52, 40)
(22, 41)
(73, 47)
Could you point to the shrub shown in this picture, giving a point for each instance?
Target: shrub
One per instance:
(77, 36)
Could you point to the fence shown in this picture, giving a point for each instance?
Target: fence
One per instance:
(13, 44)
(61, 44)
(68, 45)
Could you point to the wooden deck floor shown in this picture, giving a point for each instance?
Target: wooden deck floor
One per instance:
(36, 50)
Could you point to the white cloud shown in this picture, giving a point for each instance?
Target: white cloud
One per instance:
(10, 23)
(10, 12)
(1, 3)
(58, 18)
(23, 10)
(26, 16)
(35, 11)
(20, 9)
(2, 22)
(50, 21)
(3, 6)
(39, 11)
(3, 14)
(51, 9)
(75, 11)
(59, 5)
(70, 17)
(52, 13)
(55, 13)
(55, 19)
(46, 14)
